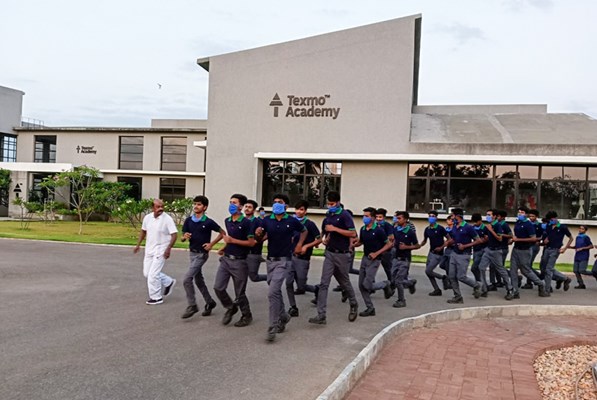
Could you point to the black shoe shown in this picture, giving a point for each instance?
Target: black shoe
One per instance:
(229, 314)
(352, 315)
(509, 296)
(245, 320)
(455, 300)
(208, 307)
(436, 292)
(319, 320)
(492, 288)
(519, 281)
(559, 284)
(153, 302)
(477, 291)
(337, 289)
(527, 285)
(293, 311)
(299, 292)
(388, 292)
(271, 333)
(190, 311)
(168, 289)
(284, 319)
(543, 292)
(316, 293)
(344, 296)
(369, 312)
(399, 304)
(412, 288)
(567, 284)
(516, 295)
(484, 293)
(580, 286)
(446, 283)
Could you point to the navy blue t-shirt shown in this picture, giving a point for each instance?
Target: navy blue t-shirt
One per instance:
(258, 248)
(482, 232)
(312, 234)
(524, 230)
(406, 236)
(555, 235)
(373, 239)
(463, 234)
(200, 232)
(280, 233)
(582, 240)
(492, 242)
(538, 229)
(241, 229)
(435, 234)
(340, 219)
(505, 231)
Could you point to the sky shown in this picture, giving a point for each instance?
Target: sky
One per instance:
(121, 63)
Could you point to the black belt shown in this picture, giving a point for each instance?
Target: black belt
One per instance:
(231, 257)
(303, 257)
(197, 251)
(522, 247)
(256, 253)
(278, 259)
(338, 251)
(459, 252)
(494, 248)
(402, 258)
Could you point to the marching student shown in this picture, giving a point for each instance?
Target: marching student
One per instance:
(533, 216)
(405, 240)
(386, 257)
(437, 236)
(479, 249)
(197, 230)
(447, 253)
(582, 248)
(554, 247)
(493, 257)
(255, 256)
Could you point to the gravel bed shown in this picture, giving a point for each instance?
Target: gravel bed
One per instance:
(557, 372)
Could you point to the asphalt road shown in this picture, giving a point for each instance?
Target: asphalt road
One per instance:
(74, 325)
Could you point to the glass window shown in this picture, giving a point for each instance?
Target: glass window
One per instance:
(593, 174)
(136, 183)
(8, 148)
(528, 172)
(418, 169)
(470, 195)
(505, 196)
(575, 173)
(573, 199)
(471, 170)
(551, 197)
(131, 152)
(551, 172)
(416, 195)
(438, 194)
(172, 188)
(438, 169)
(174, 154)
(310, 180)
(527, 194)
(506, 172)
(45, 149)
(592, 206)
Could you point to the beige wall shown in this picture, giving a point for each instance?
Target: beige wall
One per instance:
(11, 105)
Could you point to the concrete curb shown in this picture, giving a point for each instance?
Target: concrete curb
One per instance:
(349, 377)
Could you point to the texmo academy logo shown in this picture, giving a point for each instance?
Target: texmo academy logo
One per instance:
(305, 107)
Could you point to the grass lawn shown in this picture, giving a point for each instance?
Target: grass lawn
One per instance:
(115, 233)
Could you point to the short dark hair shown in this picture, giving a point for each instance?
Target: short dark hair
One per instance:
(201, 199)
(493, 211)
(282, 197)
(502, 213)
(261, 209)
(333, 195)
(242, 199)
(584, 226)
(523, 208)
(458, 211)
(534, 211)
(544, 220)
(370, 210)
(302, 204)
(551, 214)
(432, 212)
(476, 217)
(402, 214)
(381, 211)
(253, 203)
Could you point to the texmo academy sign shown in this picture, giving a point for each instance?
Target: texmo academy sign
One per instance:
(305, 107)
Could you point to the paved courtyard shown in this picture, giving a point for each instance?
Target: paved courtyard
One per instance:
(74, 325)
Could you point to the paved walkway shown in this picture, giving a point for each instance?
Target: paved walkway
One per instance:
(473, 359)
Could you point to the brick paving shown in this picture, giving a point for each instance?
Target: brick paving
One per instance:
(471, 359)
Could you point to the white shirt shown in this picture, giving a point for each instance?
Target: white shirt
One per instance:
(159, 231)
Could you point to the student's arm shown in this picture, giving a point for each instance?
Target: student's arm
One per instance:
(344, 232)
(570, 239)
(173, 237)
(385, 248)
(208, 246)
(142, 234)
(497, 236)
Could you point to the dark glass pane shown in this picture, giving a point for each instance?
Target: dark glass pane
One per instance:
(551, 197)
(505, 196)
(295, 167)
(505, 171)
(314, 167)
(575, 173)
(273, 167)
(592, 206)
(181, 141)
(135, 192)
(131, 140)
(551, 172)
(272, 184)
(528, 171)
(438, 194)
(528, 194)
(416, 195)
(332, 168)
(438, 169)
(471, 170)
(174, 150)
(314, 192)
(573, 199)
(131, 148)
(418, 169)
(330, 183)
(131, 165)
(471, 195)
(593, 173)
(131, 157)
(294, 187)
(174, 158)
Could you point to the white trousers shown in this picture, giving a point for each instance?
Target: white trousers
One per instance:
(156, 279)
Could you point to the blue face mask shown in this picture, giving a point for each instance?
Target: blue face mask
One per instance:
(432, 220)
(299, 218)
(477, 228)
(262, 213)
(194, 218)
(488, 218)
(278, 208)
(366, 220)
(580, 235)
(394, 219)
(232, 208)
(399, 228)
(544, 226)
(448, 229)
(553, 221)
(521, 217)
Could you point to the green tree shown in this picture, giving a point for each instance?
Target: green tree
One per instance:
(105, 197)
(79, 180)
(5, 182)
(28, 209)
(132, 211)
(179, 209)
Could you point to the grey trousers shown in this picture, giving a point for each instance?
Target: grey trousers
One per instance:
(521, 259)
(336, 265)
(367, 284)
(550, 267)
(493, 259)
(457, 272)
(433, 261)
(580, 268)
(386, 263)
(195, 274)
(298, 272)
(400, 268)
(477, 255)
(253, 263)
(277, 271)
(238, 271)
(556, 275)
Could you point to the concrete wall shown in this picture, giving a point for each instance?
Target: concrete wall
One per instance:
(11, 106)
(367, 72)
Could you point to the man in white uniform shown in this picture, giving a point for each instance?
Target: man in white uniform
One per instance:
(160, 231)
